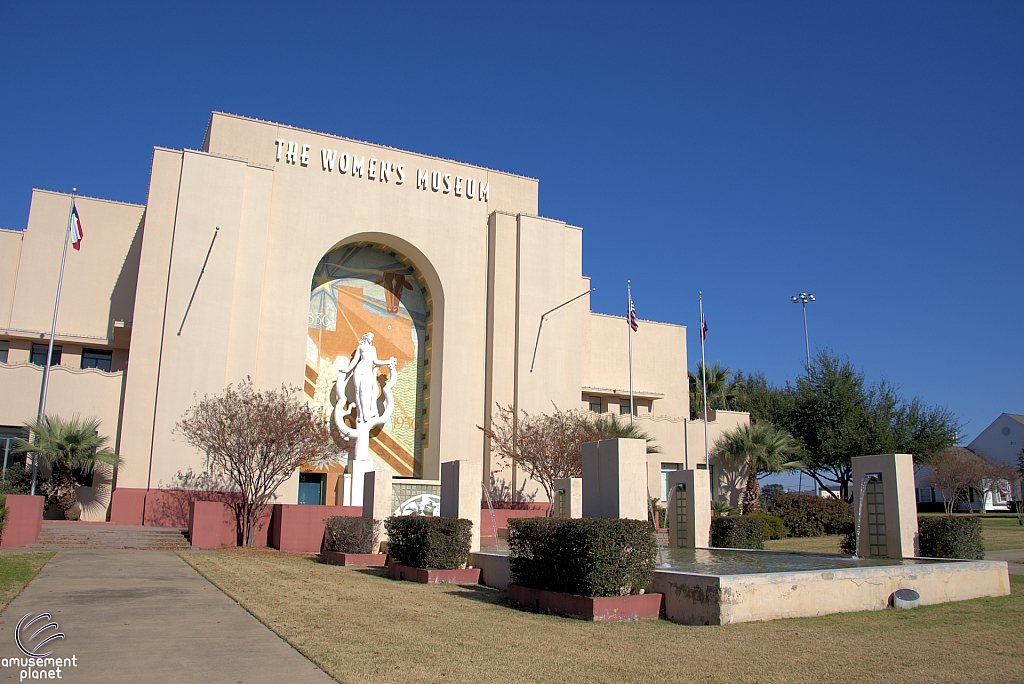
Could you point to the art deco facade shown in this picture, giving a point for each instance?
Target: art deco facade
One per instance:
(320, 239)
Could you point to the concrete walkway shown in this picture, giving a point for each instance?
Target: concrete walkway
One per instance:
(147, 616)
(1014, 559)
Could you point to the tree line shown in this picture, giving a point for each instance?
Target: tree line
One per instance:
(834, 413)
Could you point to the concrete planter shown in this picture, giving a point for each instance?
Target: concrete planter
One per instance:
(376, 560)
(425, 576)
(600, 609)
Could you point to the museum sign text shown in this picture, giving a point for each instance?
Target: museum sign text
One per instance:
(383, 171)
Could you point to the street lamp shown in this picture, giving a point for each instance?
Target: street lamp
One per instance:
(804, 298)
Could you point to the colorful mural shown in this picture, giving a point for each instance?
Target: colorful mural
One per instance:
(364, 288)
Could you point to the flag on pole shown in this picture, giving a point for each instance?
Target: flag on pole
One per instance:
(76, 228)
(703, 328)
(632, 316)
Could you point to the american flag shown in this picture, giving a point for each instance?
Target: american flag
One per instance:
(703, 328)
(76, 227)
(632, 316)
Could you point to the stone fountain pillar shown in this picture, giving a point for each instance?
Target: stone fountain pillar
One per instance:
(460, 494)
(888, 519)
(689, 508)
(568, 501)
(377, 499)
(615, 479)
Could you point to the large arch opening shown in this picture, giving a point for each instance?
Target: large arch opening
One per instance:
(360, 287)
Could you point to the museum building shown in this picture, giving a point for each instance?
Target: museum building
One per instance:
(268, 254)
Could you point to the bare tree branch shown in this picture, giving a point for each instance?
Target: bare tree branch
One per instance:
(257, 440)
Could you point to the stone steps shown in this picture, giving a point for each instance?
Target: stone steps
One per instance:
(64, 536)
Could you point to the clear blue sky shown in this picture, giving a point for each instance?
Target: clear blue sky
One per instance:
(872, 154)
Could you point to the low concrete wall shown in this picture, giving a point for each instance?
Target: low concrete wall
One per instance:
(212, 524)
(299, 528)
(494, 570)
(726, 599)
(24, 520)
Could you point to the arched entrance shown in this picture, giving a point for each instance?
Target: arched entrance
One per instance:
(362, 287)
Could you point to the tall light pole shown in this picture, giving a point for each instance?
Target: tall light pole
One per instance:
(804, 298)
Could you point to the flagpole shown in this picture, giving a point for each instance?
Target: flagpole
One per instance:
(629, 327)
(704, 377)
(53, 331)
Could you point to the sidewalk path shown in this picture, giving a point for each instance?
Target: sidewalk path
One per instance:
(147, 616)
(1014, 559)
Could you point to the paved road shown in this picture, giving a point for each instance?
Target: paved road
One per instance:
(147, 616)
(1014, 559)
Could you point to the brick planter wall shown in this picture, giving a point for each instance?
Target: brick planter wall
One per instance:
(424, 576)
(601, 609)
(24, 520)
(376, 560)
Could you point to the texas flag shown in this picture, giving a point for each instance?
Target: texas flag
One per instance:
(76, 227)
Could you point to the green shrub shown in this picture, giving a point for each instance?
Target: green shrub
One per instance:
(774, 528)
(588, 557)
(838, 514)
(848, 544)
(951, 537)
(740, 532)
(421, 541)
(346, 534)
(807, 515)
(3, 512)
(17, 480)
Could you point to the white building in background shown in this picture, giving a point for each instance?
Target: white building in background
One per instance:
(1002, 441)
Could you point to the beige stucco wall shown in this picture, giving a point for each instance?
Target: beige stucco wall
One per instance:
(85, 392)
(10, 254)
(99, 280)
(492, 265)
(88, 393)
(277, 220)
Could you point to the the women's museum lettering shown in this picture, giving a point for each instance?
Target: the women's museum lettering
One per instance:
(384, 171)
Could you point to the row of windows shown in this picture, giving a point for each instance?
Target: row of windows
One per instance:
(91, 358)
(596, 405)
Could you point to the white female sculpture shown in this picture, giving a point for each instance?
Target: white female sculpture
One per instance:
(361, 371)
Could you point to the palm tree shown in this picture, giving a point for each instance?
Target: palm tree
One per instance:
(762, 449)
(65, 446)
(608, 426)
(720, 390)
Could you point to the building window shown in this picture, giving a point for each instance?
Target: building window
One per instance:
(96, 358)
(595, 404)
(5, 346)
(667, 468)
(39, 355)
(624, 407)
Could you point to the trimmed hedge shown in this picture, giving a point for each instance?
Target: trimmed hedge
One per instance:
(346, 534)
(806, 515)
(421, 541)
(951, 537)
(740, 532)
(774, 528)
(588, 557)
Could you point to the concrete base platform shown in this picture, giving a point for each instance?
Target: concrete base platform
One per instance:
(695, 599)
(147, 616)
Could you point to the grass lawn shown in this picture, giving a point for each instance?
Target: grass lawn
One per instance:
(362, 627)
(828, 543)
(17, 570)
